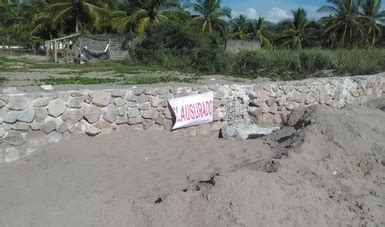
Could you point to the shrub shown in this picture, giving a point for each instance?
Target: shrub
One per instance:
(175, 47)
(313, 60)
(356, 62)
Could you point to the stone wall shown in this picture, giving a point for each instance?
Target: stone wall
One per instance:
(28, 121)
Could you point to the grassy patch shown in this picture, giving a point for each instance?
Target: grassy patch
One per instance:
(3, 80)
(158, 79)
(82, 80)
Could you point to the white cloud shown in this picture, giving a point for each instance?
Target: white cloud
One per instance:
(276, 15)
(250, 13)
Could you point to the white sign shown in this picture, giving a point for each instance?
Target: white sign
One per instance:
(192, 110)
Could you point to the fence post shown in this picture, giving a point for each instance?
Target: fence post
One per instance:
(55, 50)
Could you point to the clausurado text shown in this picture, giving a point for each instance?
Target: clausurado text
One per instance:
(192, 110)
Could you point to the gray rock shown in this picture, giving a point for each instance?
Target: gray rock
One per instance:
(133, 112)
(8, 116)
(92, 113)
(4, 98)
(144, 106)
(131, 104)
(119, 102)
(76, 102)
(168, 124)
(40, 114)
(121, 120)
(110, 113)
(92, 130)
(136, 120)
(13, 138)
(2, 132)
(55, 137)
(219, 95)
(2, 156)
(64, 97)
(203, 89)
(245, 132)
(77, 94)
(228, 132)
(100, 98)
(87, 98)
(72, 116)
(137, 90)
(56, 108)
(36, 139)
(62, 127)
(20, 126)
(155, 101)
(48, 126)
(132, 98)
(51, 96)
(150, 114)
(17, 103)
(163, 91)
(122, 110)
(26, 115)
(118, 93)
(167, 113)
(142, 99)
(160, 119)
(2, 104)
(11, 154)
(40, 102)
(167, 96)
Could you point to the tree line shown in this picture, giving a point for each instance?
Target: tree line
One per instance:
(348, 24)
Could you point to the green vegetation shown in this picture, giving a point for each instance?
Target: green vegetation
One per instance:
(158, 79)
(191, 37)
(123, 80)
(350, 23)
(76, 80)
(3, 80)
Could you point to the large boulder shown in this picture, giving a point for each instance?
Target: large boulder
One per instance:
(110, 113)
(26, 115)
(56, 108)
(92, 113)
(101, 98)
(17, 103)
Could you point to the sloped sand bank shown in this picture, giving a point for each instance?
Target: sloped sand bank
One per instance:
(325, 167)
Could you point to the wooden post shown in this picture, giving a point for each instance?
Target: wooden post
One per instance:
(55, 50)
(47, 46)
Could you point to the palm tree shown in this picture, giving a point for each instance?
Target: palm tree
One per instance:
(295, 30)
(240, 27)
(261, 33)
(345, 22)
(79, 11)
(140, 14)
(211, 15)
(15, 16)
(371, 11)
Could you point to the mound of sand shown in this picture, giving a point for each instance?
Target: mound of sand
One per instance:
(326, 167)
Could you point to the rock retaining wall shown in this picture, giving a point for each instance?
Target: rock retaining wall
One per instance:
(28, 121)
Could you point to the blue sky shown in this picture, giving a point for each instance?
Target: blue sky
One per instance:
(274, 10)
